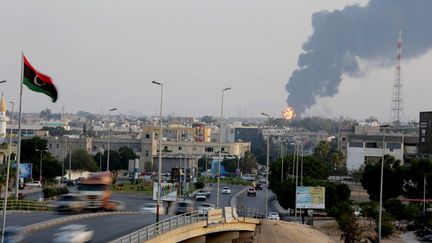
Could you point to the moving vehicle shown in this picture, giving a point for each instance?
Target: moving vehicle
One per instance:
(96, 194)
(248, 177)
(251, 192)
(203, 208)
(70, 203)
(200, 197)
(74, 233)
(34, 184)
(13, 234)
(273, 216)
(151, 208)
(206, 193)
(259, 186)
(226, 190)
(183, 207)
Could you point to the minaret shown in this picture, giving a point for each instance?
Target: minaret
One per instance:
(3, 120)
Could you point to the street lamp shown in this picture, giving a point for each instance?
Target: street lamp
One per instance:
(267, 162)
(381, 182)
(220, 147)
(40, 169)
(160, 151)
(109, 136)
(7, 174)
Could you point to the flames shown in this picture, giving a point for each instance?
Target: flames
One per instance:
(288, 113)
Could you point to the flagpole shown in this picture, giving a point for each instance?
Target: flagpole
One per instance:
(19, 129)
(7, 177)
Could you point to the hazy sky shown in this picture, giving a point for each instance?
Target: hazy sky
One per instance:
(105, 53)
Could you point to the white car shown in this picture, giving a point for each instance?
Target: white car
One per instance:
(205, 207)
(273, 216)
(151, 208)
(226, 190)
(74, 233)
(34, 184)
(200, 197)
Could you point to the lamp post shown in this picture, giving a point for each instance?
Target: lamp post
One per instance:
(7, 174)
(40, 170)
(109, 136)
(267, 163)
(220, 148)
(381, 183)
(160, 151)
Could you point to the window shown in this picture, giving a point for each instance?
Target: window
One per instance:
(147, 153)
(57, 145)
(371, 145)
(208, 149)
(356, 144)
(222, 149)
(147, 135)
(179, 148)
(50, 145)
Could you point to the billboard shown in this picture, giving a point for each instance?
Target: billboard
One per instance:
(168, 191)
(25, 170)
(310, 197)
(425, 132)
(214, 216)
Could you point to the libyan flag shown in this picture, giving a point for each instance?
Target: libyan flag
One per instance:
(37, 81)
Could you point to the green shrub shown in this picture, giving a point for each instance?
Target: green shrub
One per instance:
(199, 185)
(52, 191)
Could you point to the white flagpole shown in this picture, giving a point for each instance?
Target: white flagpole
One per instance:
(7, 177)
(19, 129)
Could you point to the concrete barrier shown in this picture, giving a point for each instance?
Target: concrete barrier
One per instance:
(233, 202)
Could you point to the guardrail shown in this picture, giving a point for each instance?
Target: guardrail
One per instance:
(26, 205)
(162, 227)
(250, 213)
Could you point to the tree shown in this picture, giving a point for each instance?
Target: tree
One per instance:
(81, 160)
(126, 154)
(351, 231)
(54, 131)
(230, 165)
(393, 181)
(248, 163)
(322, 151)
(208, 120)
(202, 163)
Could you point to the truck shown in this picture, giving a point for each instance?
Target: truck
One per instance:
(95, 192)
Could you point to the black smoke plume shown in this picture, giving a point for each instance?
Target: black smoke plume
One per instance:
(340, 38)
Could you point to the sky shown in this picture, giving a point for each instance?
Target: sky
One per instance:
(104, 54)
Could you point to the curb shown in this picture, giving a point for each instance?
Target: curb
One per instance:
(50, 223)
(233, 202)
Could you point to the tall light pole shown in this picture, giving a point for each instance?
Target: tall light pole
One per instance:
(381, 183)
(220, 148)
(109, 136)
(7, 175)
(40, 163)
(160, 152)
(267, 163)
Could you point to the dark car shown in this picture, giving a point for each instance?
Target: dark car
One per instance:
(183, 207)
(259, 186)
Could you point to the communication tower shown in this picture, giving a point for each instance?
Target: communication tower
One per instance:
(397, 100)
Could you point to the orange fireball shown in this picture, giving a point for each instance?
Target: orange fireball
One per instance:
(288, 113)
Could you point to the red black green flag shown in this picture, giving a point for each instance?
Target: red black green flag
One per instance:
(37, 81)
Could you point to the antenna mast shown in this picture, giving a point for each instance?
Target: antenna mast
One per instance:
(397, 100)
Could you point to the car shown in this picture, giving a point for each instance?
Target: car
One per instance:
(151, 208)
(251, 192)
(259, 186)
(206, 193)
(69, 203)
(14, 234)
(263, 180)
(200, 197)
(273, 216)
(71, 183)
(203, 208)
(34, 184)
(226, 190)
(183, 207)
(74, 233)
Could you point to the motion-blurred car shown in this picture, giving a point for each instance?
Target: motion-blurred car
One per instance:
(183, 207)
(273, 216)
(251, 192)
(13, 234)
(200, 197)
(69, 203)
(226, 190)
(34, 184)
(151, 208)
(206, 193)
(203, 208)
(75, 233)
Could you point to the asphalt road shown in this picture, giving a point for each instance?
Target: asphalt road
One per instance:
(257, 202)
(23, 219)
(106, 228)
(225, 199)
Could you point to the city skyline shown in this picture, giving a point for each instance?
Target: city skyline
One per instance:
(106, 55)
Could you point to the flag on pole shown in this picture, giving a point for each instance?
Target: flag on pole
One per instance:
(37, 81)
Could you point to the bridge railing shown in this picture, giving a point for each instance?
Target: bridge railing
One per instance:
(26, 205)
(162, 227)
(250, 213)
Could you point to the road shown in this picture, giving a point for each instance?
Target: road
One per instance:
(23, 219)
(113, 226)
(257, 202)
(106, 228)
